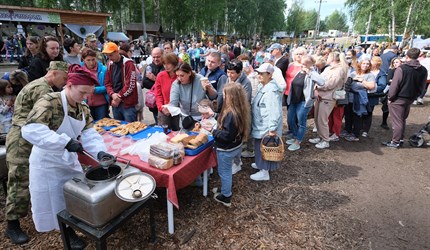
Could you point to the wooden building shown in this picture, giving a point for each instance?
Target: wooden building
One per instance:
(41, 21)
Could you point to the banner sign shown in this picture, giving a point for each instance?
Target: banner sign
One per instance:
(29, 16)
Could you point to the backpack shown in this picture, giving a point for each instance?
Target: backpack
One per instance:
(150, 98)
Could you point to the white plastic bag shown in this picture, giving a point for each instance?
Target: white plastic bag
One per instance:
(141, 147)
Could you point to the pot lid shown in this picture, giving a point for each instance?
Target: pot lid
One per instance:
(135, 187)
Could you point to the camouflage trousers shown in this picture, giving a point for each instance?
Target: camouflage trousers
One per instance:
(18, 193)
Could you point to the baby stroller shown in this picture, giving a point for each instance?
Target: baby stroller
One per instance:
(417, 139)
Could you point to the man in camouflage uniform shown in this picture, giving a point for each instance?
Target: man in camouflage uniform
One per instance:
(18, 150)
(91, 42)
(59, 126)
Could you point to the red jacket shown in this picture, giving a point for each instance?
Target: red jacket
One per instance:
(162, 86)
(128, 93)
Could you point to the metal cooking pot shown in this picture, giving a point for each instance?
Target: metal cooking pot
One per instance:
(91, 197)
(103, 174)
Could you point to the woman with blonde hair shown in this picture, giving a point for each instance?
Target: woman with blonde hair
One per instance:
(232, 130)
(374, 94)
(301, 99)
(335, 77)
(362, 81)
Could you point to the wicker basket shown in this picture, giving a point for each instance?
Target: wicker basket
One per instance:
(272, 148)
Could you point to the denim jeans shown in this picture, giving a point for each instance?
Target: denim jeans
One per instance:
(99, 112)
(297, 116)
(124, 114)
(225, 161)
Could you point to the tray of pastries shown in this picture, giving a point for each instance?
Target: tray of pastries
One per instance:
(129, 128)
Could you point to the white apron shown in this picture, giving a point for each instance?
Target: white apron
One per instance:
(49, 170)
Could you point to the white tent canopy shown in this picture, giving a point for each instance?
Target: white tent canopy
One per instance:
(83, 30)
(117, 36)
(421, 43)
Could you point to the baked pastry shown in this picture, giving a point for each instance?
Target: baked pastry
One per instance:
(187, 139)
(200, 139)
(197, 127)
(178, 138)
(108, 122)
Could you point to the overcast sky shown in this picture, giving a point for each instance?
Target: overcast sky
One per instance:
(327, 6)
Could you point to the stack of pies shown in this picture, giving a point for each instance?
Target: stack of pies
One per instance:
(190, 141)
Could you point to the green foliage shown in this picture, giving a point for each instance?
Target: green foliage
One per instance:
(336, 21)
(381, 15)
(295, 20)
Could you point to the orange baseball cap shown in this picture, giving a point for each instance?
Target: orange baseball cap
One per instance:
(109, 47)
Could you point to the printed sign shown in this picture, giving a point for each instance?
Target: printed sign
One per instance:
(29, 16)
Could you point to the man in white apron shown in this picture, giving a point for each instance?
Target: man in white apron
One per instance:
(54, 127)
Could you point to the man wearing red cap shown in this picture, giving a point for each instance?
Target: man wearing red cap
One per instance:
(120, 82)
(59, 126)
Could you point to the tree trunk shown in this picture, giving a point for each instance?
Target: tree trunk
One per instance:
(368, 26)
(143, 20)
(393, 22)
(407, 24)
(98, 6)
(157, 11)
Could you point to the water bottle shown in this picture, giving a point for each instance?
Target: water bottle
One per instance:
(148, 69)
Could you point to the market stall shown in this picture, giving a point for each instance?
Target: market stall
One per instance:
(196, 162)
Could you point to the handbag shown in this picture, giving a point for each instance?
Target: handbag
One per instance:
(339, 94)
(188, 121)
(150, 101)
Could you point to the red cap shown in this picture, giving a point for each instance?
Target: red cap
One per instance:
(81, 76)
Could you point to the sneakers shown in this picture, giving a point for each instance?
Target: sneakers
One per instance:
(226, 201)
(294, 147)
(254, 166)
(322, 145)
(385, 126)
(391, 144)
(247, 154)
(352, 138)
(290, 141)
(262, 175)
(344, 134)
(420, 101)
(15, 233)
(236, 168)
(428, 143)
(415, 102)
(365, 134)
(315, 140)
(333, 137)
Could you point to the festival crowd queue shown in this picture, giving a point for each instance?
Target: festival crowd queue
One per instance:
(237, 95)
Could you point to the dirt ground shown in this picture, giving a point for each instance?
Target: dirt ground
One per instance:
(355, 195)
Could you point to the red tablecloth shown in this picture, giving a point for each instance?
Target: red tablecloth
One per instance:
(174, 178)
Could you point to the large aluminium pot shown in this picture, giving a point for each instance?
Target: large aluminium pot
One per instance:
(91, 197)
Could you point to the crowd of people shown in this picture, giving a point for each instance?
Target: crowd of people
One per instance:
(237, 95)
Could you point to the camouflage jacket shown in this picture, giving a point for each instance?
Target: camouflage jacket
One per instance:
(49, 111)
(26, 99)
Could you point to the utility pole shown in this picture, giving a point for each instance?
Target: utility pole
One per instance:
(317, 25)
